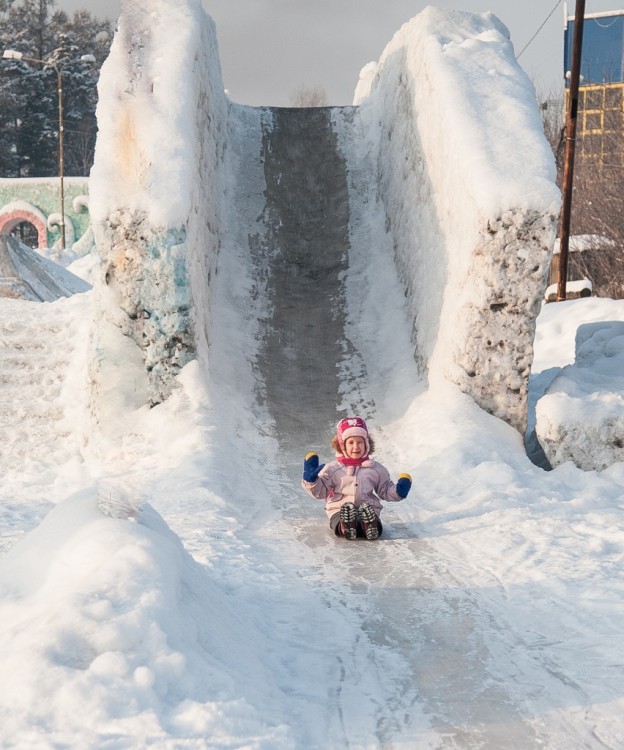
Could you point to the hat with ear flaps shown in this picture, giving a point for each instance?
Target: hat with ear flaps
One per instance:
(352, 427)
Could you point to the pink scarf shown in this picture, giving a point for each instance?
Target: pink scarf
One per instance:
(352, 461)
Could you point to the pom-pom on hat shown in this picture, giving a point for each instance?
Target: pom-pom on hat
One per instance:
(352, 427)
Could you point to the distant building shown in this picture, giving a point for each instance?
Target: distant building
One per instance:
(598, 188)
(600, 123)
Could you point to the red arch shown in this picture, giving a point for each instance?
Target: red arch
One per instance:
(10, 220)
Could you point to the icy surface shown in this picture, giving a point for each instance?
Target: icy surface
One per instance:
(32, 276)
(164, 582)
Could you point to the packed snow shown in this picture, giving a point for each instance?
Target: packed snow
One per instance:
(153, 595)
(580, 418)
(165, 582)
(466, 179)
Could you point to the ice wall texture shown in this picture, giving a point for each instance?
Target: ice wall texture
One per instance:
(467, 180)
(156, 183)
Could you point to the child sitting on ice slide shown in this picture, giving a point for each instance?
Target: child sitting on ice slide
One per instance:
(352, 485)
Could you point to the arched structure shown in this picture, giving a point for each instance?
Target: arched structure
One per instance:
(13, 215)
(36, 200)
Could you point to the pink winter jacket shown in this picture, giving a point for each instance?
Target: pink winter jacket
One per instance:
(338, 484)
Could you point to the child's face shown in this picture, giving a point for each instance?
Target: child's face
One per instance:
(355, 447)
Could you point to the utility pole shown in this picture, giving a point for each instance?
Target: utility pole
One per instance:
(570, 145)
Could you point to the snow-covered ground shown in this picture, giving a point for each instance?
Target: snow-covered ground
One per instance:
(164, 581)
(172, 588)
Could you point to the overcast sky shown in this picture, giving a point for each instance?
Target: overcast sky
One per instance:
(269, 48)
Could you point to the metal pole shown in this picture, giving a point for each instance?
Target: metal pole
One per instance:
(59, 79)
(53, 63)
(570, 144)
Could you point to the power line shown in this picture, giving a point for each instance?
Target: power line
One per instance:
(544, 22)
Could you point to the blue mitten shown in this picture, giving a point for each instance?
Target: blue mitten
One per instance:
(404, 485)
(311, 467)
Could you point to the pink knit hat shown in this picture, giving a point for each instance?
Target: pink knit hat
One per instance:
(352, 427)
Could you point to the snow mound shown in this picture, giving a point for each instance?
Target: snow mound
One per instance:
(112, 615)
(580, 418)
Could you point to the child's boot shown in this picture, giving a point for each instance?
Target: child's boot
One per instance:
(368, 519)
(348, 525)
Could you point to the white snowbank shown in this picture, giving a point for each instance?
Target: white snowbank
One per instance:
(112, 615)
(580, 418)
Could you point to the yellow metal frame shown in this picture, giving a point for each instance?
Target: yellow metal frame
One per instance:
(600, 117)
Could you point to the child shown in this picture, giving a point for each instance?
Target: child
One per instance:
(352, 485)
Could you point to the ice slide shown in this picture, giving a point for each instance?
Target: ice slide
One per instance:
(314, 260)
(446, 146)
(419, 648)
(303, 253)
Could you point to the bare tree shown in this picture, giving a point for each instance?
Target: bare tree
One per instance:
(29, 110)
(551, 108)
(598, 187)
(309, 96)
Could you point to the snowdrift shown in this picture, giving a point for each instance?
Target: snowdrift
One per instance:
(118, 612)
(580, 418)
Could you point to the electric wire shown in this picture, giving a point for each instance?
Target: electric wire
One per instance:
(544, 22)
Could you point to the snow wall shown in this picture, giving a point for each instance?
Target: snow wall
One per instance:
(449, 118)
(470, 199)
(157, 187)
